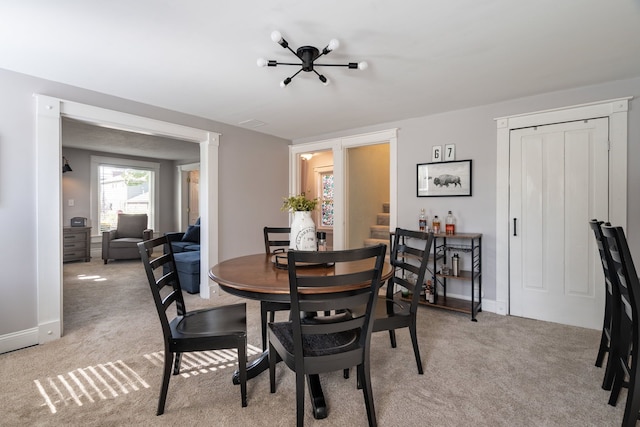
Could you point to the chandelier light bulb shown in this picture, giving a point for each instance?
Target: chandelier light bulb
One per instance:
(333, 44)
(262, 62)
(276, 36)
(326, 82)
(285, 82)
(363, 65)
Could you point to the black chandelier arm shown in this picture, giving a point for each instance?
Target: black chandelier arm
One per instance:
(275, 63)
(352, 65)
(324, 52)
(297, 72)
(286, 46)
(349, 65)
(322, 78)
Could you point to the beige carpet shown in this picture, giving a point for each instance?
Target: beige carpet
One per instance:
(500, 371)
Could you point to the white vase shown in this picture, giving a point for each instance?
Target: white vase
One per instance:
(303, 232)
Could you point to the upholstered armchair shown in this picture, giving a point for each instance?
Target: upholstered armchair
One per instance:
(122, 243)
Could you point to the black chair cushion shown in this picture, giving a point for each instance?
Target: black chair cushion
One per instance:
(316, 345)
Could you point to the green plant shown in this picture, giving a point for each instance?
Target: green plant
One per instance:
(299, 203)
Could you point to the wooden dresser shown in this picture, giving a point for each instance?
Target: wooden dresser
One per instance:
(76, 244)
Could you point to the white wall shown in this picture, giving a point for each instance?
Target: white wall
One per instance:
(253, 177)
(473, 131)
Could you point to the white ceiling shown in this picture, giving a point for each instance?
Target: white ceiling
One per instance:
(85, 136)
(425, 56)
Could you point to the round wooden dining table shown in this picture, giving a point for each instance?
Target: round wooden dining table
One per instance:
(263, 277)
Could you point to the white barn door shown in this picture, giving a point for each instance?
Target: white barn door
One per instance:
(558, 181)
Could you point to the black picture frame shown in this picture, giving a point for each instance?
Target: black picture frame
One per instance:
(444, 179)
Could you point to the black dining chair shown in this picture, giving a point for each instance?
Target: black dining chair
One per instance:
(335, 342)
(626, 371)
(218, 328)
(276, 240)
(409, 258)
(611, 302)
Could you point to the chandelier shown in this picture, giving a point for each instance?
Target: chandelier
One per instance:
(308, 56)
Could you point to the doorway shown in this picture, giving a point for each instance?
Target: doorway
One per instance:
(616, 113)
(317, 182)
(558, 182)
(340, 147)
(367, 171)
(49, 113)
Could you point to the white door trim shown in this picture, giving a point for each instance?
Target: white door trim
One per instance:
(49, 113)
(616, 110)
(338, 145)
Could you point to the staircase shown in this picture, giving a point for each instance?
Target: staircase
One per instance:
(380, 231)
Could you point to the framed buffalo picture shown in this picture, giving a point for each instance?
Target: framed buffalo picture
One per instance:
(444, 179)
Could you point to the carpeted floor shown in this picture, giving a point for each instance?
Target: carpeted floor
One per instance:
(500, 371)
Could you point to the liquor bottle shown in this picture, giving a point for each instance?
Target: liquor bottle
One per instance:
(436, 224)
(322, 241)
(450, 224)
(422, 221)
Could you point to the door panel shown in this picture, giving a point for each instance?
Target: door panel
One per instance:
(558, 182)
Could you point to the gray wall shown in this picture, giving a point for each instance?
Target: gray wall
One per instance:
(473, 131)
(76, 185)
(253, 176)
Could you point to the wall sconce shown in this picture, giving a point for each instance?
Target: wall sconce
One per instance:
(306, 156)
(66, 167)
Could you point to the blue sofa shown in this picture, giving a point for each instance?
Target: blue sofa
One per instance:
(186, 251)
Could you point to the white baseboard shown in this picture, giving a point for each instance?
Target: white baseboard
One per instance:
(49, 331)
(18, 340)
(491, 306)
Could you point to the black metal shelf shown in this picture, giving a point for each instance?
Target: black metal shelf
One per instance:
(442, 245)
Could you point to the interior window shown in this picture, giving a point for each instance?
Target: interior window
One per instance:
(326, 199)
